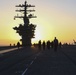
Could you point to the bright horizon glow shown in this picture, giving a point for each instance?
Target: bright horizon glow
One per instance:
(55, 18)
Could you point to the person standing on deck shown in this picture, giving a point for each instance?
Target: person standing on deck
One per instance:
(39, 44)
(55, 43)
(43, 45)
(18, 45)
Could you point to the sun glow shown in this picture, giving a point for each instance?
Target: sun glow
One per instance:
(54, 19)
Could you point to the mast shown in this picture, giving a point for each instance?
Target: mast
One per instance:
(27, 30)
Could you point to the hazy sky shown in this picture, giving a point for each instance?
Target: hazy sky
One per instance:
(54, 18)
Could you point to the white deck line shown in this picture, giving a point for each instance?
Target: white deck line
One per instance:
(7, 50)
(24, 71)
(31, 63)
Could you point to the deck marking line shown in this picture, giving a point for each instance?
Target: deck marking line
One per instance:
(31, 63)
(25, 71)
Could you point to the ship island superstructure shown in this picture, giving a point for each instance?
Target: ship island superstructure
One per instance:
(27, 29)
